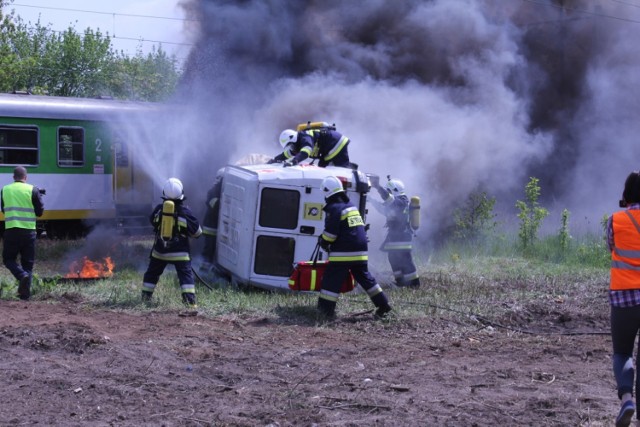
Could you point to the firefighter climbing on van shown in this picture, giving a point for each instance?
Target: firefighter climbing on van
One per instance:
(403, 219)
(344, 239)
(210, 223)
(174, 224)
(315, 140)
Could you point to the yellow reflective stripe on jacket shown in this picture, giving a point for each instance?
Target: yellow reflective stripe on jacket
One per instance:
(288, 151)
(183, 227)
(329, 237)
(18, 206)
(339, 146)
(348, 256)
(171, 256)
(398, 246)
(209, 231)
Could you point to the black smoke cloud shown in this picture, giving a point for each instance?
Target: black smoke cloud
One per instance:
(450, 96)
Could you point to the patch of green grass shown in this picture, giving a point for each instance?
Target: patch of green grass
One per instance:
(458, 282)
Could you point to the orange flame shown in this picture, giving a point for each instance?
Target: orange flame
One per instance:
(87, 269)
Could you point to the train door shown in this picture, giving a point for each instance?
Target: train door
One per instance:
(134, 191)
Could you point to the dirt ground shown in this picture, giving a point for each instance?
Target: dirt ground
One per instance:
(65, 362)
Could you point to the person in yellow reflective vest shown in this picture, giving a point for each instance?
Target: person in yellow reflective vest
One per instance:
(623, 239)
(21, 205)
(174, 226)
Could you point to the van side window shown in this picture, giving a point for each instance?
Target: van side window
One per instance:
(18, 145)
(274, 256)
(279, 208)
(70, 146)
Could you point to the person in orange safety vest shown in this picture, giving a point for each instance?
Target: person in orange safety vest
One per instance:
(623, 238)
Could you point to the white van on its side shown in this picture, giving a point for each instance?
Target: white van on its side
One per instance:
(271, 217)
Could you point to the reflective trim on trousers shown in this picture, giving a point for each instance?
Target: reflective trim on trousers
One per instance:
(411, 276)
(149, 287)
(188, 288)
(375, 290)
(329, 296)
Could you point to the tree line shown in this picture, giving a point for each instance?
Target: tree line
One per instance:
(38, 60)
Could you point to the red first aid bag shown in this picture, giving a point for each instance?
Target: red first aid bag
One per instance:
(307, 275)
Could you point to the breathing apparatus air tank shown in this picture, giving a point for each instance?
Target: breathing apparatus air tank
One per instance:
(414, 213)
(168, 220)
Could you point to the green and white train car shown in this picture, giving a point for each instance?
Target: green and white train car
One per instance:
(80, 151)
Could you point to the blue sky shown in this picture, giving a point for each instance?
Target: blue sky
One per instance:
(155, 21)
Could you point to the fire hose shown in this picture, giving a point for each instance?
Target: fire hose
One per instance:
(204, 282)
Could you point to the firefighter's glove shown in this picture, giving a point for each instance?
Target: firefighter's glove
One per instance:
(291, 162)
(325, 245)
(272, 161)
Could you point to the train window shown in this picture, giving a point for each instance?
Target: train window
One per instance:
(70, 147)
(18, 145)
(274, 255)
(279, 208)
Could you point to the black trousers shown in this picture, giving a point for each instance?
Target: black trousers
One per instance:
(336, 273)
(403, 267)
(19, 242)
(185, 277)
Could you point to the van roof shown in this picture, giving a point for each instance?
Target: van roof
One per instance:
(304, 171)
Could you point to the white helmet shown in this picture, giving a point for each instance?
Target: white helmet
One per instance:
(330, 186)
(395, 187)
(173, 189)
(287, 136)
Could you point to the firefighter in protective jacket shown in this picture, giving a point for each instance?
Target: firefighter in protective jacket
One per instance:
(344, 238)
(210, 223)
(398, 243)
(320, 142)
(174, 224)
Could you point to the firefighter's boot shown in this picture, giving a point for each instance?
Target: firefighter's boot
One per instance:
(326, 309)
(415, 283)
(382, 304)
(189, 299)
(146, 297)
(24, 288)
(399, 278)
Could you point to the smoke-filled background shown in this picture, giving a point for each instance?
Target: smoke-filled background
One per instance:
(451, 96)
